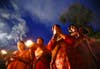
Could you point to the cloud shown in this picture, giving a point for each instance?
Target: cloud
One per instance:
(45, 10)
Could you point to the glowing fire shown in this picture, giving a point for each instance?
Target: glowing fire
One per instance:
(3, 52)
(54, 32)
(29, 43)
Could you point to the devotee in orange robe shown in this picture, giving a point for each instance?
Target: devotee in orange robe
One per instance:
(20, 59)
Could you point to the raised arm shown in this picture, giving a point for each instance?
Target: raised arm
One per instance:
(51, 45)
(68, 39)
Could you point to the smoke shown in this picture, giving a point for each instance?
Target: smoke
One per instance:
(19, 30)
(12, 28)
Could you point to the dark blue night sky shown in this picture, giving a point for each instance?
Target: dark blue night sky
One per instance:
(30, 19)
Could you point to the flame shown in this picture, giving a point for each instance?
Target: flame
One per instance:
(54, 32)
(3, 52)
(29, 43)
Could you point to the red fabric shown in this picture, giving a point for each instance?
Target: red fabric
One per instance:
(69, 40)
(51, 45)
(41, 65)
(44, 61)
(61, 61)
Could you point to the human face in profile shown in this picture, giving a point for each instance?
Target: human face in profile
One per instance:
(56, 29)
(40, 41)
(21, 46)
(72, 29)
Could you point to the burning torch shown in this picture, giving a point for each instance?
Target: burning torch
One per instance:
(29, 43)
(3, 52)
(56, 35)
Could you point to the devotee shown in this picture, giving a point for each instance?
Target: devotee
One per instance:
(42, 56)
(58, 46)
(82, 53)
(20, 59)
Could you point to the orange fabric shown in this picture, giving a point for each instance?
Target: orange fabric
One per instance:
(17, 64)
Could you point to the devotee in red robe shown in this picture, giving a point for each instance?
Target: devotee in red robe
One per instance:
(42, 56)
(21, 58)
(83, 55)
(58, 46)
